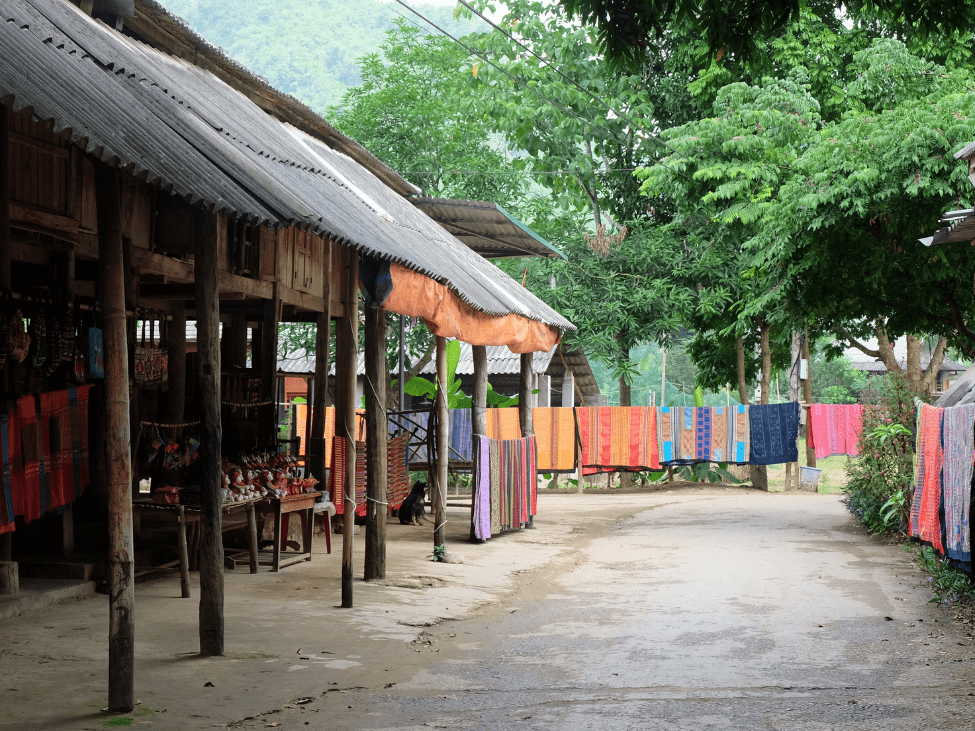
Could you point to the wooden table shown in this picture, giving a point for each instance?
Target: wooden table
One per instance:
(304, 505)
(191, 515)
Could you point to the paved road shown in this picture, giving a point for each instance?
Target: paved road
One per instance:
(738, 611)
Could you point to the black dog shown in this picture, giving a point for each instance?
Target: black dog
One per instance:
(411, 511)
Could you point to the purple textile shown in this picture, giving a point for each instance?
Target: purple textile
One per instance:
(956, 478)
(482, 488)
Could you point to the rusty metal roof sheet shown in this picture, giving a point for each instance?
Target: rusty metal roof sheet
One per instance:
(183, 129)
(486, 227)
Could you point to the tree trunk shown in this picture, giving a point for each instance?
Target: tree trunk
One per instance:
(929, 378)
(807, 397)
(742, 379)
(759, 473)
(913, 365)
(121, 554)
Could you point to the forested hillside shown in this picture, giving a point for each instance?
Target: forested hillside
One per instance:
(307, 48)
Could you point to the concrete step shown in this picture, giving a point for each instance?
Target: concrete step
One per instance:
(47, 567)
(39, 593)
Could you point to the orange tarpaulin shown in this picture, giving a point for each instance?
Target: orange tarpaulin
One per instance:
(416, 295)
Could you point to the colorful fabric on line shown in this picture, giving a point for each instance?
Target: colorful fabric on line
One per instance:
(835, 429)
(482, 487)
(36, 499)
(617, 437)
(505, 482)
(958, 438)
(503, 423)
(667, 432)
(336, 477)
(397, 471)
(925, 522)
(7, 513)
(13, 467)
(739, 435)
(555, 437)
(774, 431)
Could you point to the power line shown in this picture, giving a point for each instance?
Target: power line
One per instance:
(537, 93)
(563, 75)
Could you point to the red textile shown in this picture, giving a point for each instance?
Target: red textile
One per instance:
(925, 522)
(336, 476)
(56, 421)
(7, 528)
(81, 416)
(618, 438)
(397, 476)
(835, 429)
(15, 464)
(31, 457)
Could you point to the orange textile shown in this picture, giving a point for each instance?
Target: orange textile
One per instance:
(618, 437)
(448, 316)
(360, 428)
(503, 423)
(555, 438)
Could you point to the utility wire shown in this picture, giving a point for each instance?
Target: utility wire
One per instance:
(537, 93)
(563, 75)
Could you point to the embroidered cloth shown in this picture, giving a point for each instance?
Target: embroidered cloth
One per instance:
(958, 434)
(774, 429)
(925, 522)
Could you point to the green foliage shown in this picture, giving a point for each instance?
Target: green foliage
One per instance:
(950, 584)
(706, 472)
(456, 399)
(880, 480)
(835, 381)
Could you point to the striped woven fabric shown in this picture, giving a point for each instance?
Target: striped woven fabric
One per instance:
(618, 437)
(78, 401)
(958, 437)
(36, 497)
(555, 436)
(505, 484)
(925, 521)
(336, 476)
(56, 442)
(739, 435)
(503, 423)
(397, 471)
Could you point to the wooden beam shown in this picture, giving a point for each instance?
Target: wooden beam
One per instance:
(443, 448)
(525, 395)
(6, 540)
(121, 632)
(44, 220)
(478, 407)
(346, 345)
(208, 373)
(377, 432)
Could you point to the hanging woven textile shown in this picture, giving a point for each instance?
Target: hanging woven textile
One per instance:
(397, 471)
(336, 476)
(555, 438)
(505, 484)
(925, 523)
(774, 429)
(958, 437)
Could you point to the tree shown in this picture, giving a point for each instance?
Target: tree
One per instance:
(626, 29)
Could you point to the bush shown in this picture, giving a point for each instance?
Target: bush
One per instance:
(880, 480)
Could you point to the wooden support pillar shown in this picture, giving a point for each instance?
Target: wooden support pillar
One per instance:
(346, 345)
(176, 401)
(443, 448)
(208, 373)
(6, 540)
(478, 407)
(807, 397)
(377, 432)
(67, 517)
(233, 344)
(121, 631)
(525, 394)
(130, 279)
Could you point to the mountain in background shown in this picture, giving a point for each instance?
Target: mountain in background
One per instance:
(306, 48)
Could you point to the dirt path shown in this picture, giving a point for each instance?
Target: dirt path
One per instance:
(682, 609)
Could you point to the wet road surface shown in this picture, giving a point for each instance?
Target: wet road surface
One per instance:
(751, 611)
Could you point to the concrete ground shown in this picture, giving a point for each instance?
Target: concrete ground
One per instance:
(681, 608)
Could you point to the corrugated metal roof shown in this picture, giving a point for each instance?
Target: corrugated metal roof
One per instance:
(500, 361)
(486, 228)
(185, 130)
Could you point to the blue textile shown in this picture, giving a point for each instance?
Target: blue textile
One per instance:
(774, 430)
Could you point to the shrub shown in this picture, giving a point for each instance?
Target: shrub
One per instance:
(881, 479)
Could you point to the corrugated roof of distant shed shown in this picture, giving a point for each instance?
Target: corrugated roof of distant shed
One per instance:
(188, 132)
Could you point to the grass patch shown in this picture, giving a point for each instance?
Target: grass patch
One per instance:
(831, 481)
(950, 585)
(119, 722)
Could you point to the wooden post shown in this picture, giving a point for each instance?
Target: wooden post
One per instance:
(9, 578)
(121, 631)
(525, 394)
(208, 372)
(478, 408)
(443, 448)
(377, 433)
(176, 401)
(131, 279)
(807, 397)
(6, 540)
(346, 343)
